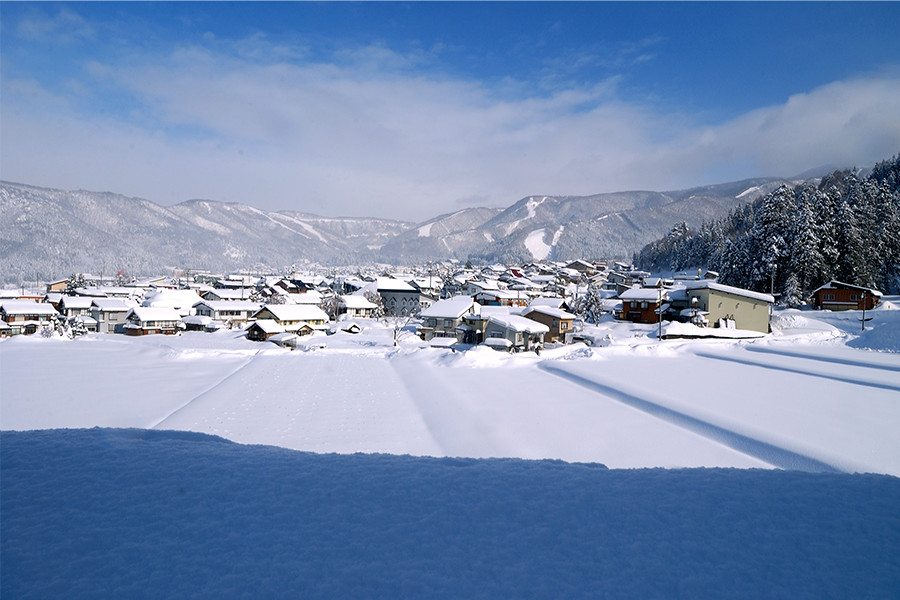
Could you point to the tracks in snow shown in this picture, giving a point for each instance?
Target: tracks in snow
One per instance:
(804, 368)
(221, 382)
(770, 453)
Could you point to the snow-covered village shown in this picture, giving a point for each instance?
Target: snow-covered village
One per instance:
(449, 300)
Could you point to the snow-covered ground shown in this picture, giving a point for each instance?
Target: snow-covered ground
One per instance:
(162, 509)
(813, 395)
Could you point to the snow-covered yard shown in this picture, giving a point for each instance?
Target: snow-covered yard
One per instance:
(151, 505)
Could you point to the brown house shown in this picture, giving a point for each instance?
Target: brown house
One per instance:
(558, 321)
(836, 295)
(640, 305)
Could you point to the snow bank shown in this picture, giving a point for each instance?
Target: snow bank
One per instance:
(155, 514)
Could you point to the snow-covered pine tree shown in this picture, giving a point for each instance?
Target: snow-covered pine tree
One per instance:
(805, 259)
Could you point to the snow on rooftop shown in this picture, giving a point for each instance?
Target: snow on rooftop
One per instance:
(27, 307)
(449, 308)
(519, 323)
(556, 313)
(712, 285)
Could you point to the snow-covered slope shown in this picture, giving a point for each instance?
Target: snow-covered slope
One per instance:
(51, 233)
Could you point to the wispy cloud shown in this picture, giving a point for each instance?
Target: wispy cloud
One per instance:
(62, 27)
(371, 133)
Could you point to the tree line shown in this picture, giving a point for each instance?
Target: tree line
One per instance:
(793, 240)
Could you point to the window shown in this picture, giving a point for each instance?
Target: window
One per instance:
(448, 322)
(643, 305)
(827, 296)
(563, 325)
(854, 296)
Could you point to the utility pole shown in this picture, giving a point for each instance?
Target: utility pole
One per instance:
(659, 311)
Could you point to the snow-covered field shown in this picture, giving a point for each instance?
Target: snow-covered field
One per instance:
(140, 513)
(810, 396)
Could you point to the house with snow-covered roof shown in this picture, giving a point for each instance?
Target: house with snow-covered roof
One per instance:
(559, 322)
(502, 298)
(734, 307)
(356, 306)
(293, 316)
(444, 318)
(73, 306)
(513, 333)
(400, 298)
(837, 295)
(149, 320)
(110, 314)
(226, 311)
(26, 316)
(181, 301)
(642, 305)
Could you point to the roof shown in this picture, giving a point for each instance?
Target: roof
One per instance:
(154, 313)
(268, 326)
(76, 301)
(171, 298)
(357, 302)
(296, 312)
(519, 324)
(551, 301)
(712, 285)
(449, 308)
(388, 284)
(834, 285)
(643, 294)
(110, 304)
(27, 307)
(230, 305)
(556, 313)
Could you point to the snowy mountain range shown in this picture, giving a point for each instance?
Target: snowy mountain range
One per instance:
(49, 233)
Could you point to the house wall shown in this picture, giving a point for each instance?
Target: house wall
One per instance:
(844, 299)
(401, 304)
(632, 311)
(493, 330)
(109, 321)
(440, 327)
(558, 327)
(748, 313)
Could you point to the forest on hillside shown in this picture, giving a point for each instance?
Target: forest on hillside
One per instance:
(793, 240)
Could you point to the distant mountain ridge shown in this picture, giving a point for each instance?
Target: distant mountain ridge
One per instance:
(50, 233)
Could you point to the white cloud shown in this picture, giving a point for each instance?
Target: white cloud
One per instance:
(375, 135)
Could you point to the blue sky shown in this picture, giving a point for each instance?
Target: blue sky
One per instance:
(409, 110)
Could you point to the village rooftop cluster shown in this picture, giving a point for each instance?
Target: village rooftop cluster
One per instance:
(506, 308)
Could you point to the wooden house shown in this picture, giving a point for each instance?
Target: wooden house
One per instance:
(836, 295)
(148, 320)
(559, 322)
(26, 316)
(641, 305)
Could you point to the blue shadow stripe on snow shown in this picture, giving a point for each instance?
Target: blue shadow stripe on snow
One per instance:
(120, 514)
(774, 455)
(821, 358)
(763, 365)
